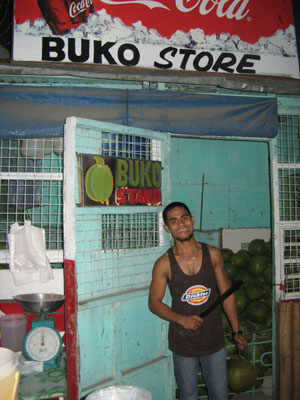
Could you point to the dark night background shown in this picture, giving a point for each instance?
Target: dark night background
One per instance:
(296, 6)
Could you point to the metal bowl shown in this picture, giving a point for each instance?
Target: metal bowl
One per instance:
(39, 303)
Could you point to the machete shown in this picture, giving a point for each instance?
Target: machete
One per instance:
(215, 304)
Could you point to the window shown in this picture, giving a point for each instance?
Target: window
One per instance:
(31, 182)
(287, 202)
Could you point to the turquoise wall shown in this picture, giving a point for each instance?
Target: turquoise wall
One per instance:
(236, 175)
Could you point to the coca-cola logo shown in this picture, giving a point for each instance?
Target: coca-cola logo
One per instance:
(148, 3)
(223, 8)
(79, 7)
(235, 9)
(248, 19)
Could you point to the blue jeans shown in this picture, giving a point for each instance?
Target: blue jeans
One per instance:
(214, 369)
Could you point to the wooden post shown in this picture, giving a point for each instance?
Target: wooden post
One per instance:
(296, 350)
(285, 350)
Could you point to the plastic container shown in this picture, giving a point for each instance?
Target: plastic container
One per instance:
(120, 393)
(9, 375)
(13, 330)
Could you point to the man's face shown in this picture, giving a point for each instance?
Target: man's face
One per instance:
(180, 224)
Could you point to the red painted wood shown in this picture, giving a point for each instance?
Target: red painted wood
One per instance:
(71, 330)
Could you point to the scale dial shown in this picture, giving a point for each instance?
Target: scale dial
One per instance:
(43, 344)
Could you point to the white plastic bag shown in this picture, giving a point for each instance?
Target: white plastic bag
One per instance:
(27, 367)
(28, 261)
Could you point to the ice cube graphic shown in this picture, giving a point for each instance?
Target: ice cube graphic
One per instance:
(101, 26)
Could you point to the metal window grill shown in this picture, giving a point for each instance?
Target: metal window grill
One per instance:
(130, 231)
(288, 139)
(32, 189)
(288, 202)
(129, 146)
(289, 194)
(138, 230)
(291, 254)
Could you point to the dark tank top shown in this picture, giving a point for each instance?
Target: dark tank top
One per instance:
(191, 295)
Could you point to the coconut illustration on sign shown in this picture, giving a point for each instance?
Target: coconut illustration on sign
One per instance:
(99, 181)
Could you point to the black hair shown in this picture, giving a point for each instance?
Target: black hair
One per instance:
(170, 207)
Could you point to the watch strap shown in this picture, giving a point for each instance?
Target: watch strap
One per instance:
(237, 333)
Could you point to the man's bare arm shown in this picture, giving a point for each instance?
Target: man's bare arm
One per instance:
(229, 305)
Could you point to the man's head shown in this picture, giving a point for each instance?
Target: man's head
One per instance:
(179, 221)
(170, 207)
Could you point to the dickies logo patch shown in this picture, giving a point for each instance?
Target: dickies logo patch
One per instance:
(196, 295)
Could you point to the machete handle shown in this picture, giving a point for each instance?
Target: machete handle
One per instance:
(227, 293)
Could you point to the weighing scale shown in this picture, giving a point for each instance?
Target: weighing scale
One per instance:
(43, 342)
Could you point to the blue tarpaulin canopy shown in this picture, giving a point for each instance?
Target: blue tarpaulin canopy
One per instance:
(41, 111)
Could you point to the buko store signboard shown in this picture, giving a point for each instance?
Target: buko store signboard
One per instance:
(223, 36)
(106, 181)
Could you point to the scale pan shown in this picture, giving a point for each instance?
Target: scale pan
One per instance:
(39, 303)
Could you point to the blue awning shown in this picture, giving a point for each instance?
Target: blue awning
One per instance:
(41, 111)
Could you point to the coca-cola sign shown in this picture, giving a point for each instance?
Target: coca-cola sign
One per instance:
(227, 36)
(249, 19)
(79, 7)
(64, 15)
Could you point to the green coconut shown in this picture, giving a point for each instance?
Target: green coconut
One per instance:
(241, 374)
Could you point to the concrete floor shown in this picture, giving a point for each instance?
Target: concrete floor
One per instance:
(258, 395)
(263, 393)
(248, 396)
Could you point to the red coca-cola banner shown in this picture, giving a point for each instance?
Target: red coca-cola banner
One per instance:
(233, 36)
(249, 19)
(64, 15)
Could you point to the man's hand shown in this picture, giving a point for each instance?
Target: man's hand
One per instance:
(240, 342)
(192, 322)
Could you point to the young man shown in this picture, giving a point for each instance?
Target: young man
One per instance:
(194, 273)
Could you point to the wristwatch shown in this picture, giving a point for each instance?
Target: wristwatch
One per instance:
(237, 333)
